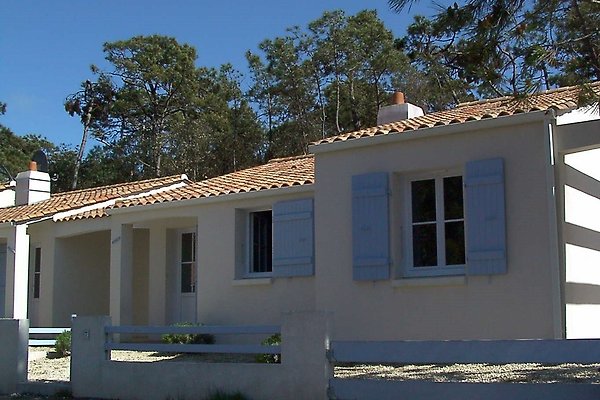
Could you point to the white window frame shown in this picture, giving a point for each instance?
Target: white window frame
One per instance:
(36, 273)
(249, 273)
(180, 261)
(441, 269)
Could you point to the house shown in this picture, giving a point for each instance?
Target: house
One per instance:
(476, 222)
(7, 194)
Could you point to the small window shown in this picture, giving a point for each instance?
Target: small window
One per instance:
(437, 224)
(261, 239)
(37, 272)
(188, 262)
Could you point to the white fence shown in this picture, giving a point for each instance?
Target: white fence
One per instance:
(463, 352)
(303, 372)
(307, 364)
(39, 336)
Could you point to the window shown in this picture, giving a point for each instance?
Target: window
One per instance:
(437, 226)
(261, 238)
(188, 262)
(37, 272)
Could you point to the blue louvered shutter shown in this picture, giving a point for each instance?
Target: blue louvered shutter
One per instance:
(370, 227)
(293, 238)
(485, 217)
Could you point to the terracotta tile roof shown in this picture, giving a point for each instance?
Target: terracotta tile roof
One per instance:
(277, 173)
(562, 99)
(6, 186)
(68, 201)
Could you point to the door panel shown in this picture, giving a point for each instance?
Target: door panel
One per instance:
(187, 276)
(2, 278)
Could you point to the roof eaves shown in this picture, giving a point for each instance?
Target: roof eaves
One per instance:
(73, 213)
(466, 126)
(211, 198)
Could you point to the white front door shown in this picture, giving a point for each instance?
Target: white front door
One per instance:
(2, 279)
(187, 276)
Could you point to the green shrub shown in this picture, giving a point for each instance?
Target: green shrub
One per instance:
(188, 338)
(62, 347)
(218, 395)
(273, 340)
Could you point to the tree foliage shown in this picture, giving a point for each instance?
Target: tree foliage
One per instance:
(328, 78)
(159, 114)
(508, 47)
(16, 152)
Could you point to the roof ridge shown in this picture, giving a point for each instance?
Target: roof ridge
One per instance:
(562, 99)
(508, 97)
(290, 158)
(116, 185)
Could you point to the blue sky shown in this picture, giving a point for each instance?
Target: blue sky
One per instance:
(47, 46)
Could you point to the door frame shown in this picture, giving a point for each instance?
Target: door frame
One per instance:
(193, 296)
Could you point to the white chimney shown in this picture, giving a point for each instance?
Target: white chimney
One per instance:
(32, 186)
(398, 110)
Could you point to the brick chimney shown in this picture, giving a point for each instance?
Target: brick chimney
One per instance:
(398, 110)
(32, 186)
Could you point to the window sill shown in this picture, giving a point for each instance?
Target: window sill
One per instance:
(430, 281)
(252, 281)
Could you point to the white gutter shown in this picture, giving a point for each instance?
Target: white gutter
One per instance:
(468, 126)
(305, 188)
(555, 207)
(104, 204)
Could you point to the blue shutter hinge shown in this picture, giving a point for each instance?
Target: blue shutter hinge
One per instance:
(330, 356)
(331, 393)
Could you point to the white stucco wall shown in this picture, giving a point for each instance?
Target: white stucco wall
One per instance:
(7, 198)
(221, 298)
(2, 276)
(81, 276)
(224, 296)
(516, 305)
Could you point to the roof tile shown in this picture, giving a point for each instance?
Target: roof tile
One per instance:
(277, 173)
(559, 99)
(80, 198)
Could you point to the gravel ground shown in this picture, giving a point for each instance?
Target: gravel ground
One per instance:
(482, 373)
(57, 369)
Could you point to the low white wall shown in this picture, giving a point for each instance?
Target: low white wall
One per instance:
(13, 354)
(303, 374)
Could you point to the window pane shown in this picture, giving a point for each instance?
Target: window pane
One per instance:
(423, 200)
(453, 198)
(37, 271)
(187, 247)
(36, 285)
(38, 259)
(424, 245)
(261, 241)
(455, 243)
(187, 278)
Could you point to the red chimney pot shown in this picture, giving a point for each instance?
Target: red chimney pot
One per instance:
(398, 98)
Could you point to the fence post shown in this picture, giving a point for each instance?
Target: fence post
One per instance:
(88, 355)
(304, 344)
(13, 354)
